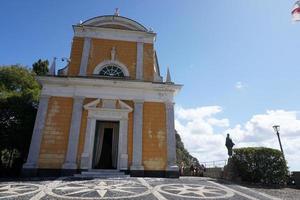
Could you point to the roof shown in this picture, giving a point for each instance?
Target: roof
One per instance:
(114, 21)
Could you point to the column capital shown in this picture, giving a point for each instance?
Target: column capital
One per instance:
(44, 96)
(138, 101)
(79, 98)
(169, 104)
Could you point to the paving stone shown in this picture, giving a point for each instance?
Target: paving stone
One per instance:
(186, 188)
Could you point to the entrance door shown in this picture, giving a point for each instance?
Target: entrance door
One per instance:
(105, 154)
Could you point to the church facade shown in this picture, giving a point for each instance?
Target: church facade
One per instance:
(109, 108)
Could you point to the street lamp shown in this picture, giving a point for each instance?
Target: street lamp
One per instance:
(276, 129)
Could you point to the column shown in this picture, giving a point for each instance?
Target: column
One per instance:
(85, 56)
(70, 162)
(34, 150)
(139, 61)
(137, 136)
(123, 155)
(171, 140)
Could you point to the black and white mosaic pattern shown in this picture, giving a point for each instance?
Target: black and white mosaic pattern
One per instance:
(188, 188)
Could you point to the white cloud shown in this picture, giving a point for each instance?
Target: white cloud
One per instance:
(199, 129)
(239, 85)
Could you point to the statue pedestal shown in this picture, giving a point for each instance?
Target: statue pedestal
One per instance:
(229, 171)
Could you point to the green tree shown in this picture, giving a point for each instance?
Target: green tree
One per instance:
(41, 67)
(260, 165)
(19, 94)
(183, 155)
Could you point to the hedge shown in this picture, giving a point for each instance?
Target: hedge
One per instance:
(260, 165)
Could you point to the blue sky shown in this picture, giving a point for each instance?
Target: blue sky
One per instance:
(211, 47)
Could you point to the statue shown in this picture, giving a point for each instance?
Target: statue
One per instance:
(229, 144)
(113, 53)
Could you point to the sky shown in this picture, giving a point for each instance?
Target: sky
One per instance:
(236, 59)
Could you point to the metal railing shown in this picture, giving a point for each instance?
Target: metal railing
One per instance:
(214, 164)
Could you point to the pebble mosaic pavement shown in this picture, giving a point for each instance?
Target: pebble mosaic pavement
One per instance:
(185, 188)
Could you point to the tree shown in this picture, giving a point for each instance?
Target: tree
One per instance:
(19, 94)
(183, 155)
(41, 67)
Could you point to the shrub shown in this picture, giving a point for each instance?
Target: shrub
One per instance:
(260, 165)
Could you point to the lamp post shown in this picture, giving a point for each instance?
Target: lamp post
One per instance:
(276, 129)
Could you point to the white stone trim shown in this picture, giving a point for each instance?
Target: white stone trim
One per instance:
(106, 63)
(114, 34)
(137, 143)
(85, 56)
(139, 61)
(171, 139)
(108, 89)
(37, 135)
(71, 156)
(105, 114)
(117, 20)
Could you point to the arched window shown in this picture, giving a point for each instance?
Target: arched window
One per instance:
(112, 71)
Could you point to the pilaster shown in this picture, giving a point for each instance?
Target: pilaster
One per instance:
(34, 150)
(123, 154)
(137, 136)
(70, 162)
(85, 56)
(172, 168)
(139, 61)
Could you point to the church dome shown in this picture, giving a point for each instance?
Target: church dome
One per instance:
(115, 21)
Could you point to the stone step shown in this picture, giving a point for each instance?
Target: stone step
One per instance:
(101, 173)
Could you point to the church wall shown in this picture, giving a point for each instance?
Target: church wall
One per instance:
(55, 134)
(148, 62)
(83, 129)
(154, 136)
(130, 133)
(101, 51)
(76, 53)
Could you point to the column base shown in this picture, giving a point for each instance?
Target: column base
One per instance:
(85, 159)
(172, 171)
(68, 172)
(69, 166)
(137, 171)
(29, 172)
(123, 165)
(29, 165)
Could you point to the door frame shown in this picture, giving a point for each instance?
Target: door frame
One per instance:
(115, 125)
(106, 114)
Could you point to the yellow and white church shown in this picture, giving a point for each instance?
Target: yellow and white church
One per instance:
(108, 109)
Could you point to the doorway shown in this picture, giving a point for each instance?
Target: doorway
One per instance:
(105, 153)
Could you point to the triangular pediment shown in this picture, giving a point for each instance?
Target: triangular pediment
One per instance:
(108, 104)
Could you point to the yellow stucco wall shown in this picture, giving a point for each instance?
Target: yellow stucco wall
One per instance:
(76, 52)
(148, 62)
(154, 136)
(56, 133)
(100, 51)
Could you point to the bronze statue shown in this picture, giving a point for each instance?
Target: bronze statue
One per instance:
(229, 144)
